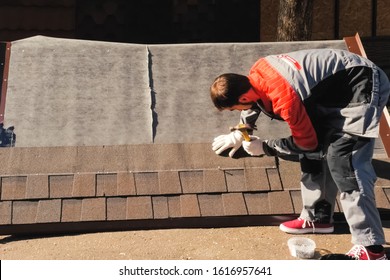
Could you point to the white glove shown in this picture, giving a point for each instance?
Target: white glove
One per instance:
(232, 140)
(254, 147)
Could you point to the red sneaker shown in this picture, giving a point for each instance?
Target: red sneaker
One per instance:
(300, 226)
(359, 252)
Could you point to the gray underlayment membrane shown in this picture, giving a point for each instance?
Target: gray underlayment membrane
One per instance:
(64, 92)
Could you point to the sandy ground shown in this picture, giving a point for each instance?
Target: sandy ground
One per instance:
(241, 243)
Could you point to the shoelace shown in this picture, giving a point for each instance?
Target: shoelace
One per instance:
(309, 224)
(356, 252)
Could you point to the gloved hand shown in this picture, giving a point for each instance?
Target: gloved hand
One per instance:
(232, 140)
(254, 147)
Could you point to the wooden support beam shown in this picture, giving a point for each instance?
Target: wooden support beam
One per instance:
(5, 51)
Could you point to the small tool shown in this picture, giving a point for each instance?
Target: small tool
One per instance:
(243, 127)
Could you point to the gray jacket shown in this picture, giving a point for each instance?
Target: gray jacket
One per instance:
(340, 91)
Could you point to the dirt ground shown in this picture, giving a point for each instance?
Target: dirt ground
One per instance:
(240, 243)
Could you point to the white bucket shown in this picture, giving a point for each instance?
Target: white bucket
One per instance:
(301, 247)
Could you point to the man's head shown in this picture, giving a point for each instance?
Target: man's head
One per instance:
(227, 92)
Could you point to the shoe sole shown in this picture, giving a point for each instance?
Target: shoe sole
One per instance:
(306, 230)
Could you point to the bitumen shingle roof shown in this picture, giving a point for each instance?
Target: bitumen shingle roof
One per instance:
(118, 136)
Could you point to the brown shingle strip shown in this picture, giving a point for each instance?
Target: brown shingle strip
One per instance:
(146, 183)
(13, 188)
(139, 207)
(174, 206)
(151, 197)
(257, 203)
(256, 179)
(93, 209)
(117, 158)
(214, 181)
(382, 197)
(60, 186)
(296, 198)
(106, 184)
(5, 212)
(169, 182)
(125, 183)
(24, 212)
(88, 209)
(89, 159)
(116, 208)
(135, 158)
(51, 160)
(71, 210)
(49, 211)
(211, 205)
(135, 212)
(189, 205)
(235, 179)
(263, 162)
(160, 207)
(84, 185)
(141, 224)
(37, 186)
(234, 204)
(290, 173)
(191, 181)
(274, 179)
(280, 202)
(183, 206)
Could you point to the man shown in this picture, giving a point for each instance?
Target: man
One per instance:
(332, 101)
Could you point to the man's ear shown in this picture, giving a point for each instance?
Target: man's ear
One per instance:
(243, 99)
(248, 97)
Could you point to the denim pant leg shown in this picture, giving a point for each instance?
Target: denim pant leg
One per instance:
(349, 159)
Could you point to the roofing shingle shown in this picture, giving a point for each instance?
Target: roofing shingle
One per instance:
(45, 198)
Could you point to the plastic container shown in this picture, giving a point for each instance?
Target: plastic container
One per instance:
(301, 247)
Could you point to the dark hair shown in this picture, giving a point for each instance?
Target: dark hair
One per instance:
(227, 89)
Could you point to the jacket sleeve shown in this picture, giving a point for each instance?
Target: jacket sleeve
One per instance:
(287, 104)
(303, 136)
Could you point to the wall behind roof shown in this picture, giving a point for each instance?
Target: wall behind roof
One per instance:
(168, 21)
(26, 18)
(334, 19)
(192, 21)
(183, 21)
(133, 21)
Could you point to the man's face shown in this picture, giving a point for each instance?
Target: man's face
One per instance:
(245, 102)
(239, 107)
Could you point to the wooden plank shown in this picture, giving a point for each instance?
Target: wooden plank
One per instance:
(355, 45)
(5, 56)
(384, 131)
